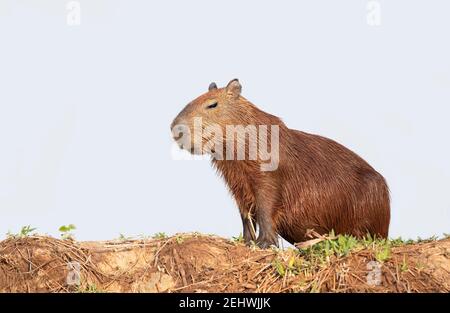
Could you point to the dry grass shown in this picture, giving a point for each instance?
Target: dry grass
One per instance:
(199, 263)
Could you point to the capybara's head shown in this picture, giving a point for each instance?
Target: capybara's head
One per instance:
(210, 113)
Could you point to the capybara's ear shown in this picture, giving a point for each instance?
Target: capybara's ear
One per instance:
(234, 88)
(212, 86)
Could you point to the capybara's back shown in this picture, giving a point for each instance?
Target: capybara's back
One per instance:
(317, 184)
(325, 187)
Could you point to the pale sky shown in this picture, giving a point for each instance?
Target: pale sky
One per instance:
(85, 109)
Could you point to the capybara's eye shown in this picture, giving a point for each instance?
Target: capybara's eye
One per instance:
(212, 106)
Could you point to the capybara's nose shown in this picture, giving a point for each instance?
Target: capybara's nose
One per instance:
(177, 128)
(174, 124)
(173, 129)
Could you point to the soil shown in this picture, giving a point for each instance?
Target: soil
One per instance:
(200, 263)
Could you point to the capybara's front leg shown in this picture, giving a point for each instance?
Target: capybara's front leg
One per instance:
(267, 236)
(265, 201)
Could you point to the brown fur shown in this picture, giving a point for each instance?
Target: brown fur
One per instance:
(319, 184)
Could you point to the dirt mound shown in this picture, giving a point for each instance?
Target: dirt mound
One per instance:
(198, 263)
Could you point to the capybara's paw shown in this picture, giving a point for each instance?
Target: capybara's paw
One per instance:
(265, 243)
(248, 240)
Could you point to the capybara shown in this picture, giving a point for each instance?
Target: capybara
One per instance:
(316, 183)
